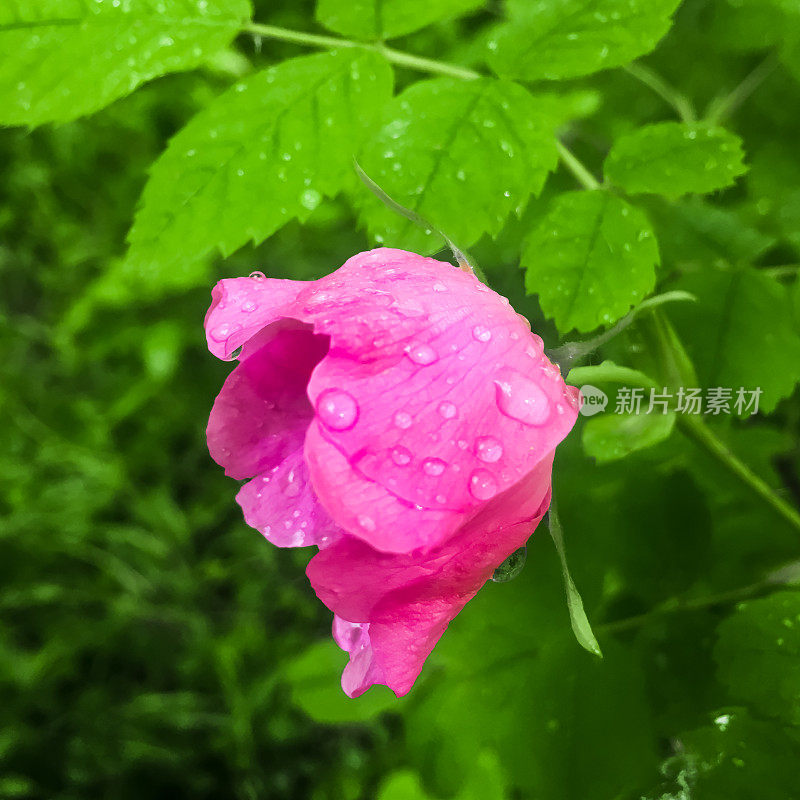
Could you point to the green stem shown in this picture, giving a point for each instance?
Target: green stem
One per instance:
(783, 271)
(395, 56)
(721, 108)
(410, 61)
(697, 604)
(669, 94)
(678, 370)
(577, 168)
(697, 430)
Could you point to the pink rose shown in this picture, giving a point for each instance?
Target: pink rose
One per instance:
(402, 417)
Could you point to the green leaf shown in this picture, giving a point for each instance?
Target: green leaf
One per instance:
(262, 153)
(385, 19)
(673, 159)
(462, 155)
(694, 232)
(577, 615)
(402, 785)
(737, 757)
(741, 333)
(590, 259)
(758, 655)
(569, 38)
(542, 702)
(613, 436)
(484, 781)
(314, 679)
(65, 58)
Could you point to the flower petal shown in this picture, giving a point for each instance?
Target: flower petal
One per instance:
(455, 399)
(403, 603)
(262, 412)
(241, 307)
(281, 504)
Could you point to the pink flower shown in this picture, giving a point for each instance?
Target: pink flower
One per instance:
(402, 417)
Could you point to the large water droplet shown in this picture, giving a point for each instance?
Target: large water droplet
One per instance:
(402, 420)
(447, 409)
(482, 485)
(521, 399)
(337, 409)
(488, 449)
(433, 466)
(422, 354)
(401, 456)
(481, 333)
(257, 276)
(511, 567)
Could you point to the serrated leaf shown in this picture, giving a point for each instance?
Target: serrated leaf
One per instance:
(613, 436)
(314, 678)
(462, 155)
(758, 655)
(66, 58)
(262, 153)
(741, 332)
(569, 38)
(673, 159)
(590, 259)
(385, 19)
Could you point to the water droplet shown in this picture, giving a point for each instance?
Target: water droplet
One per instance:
(482, 485)
(402, 420)
(488, 449)
(511, 567)
(422, 354)
(481, 333)
(337, 409)
(221, 332)
(235, 354)
(401, 456)
(257, 276)
(521, 399)
(310, 199)
(447, 409)
(291, 486)
(249, 306)
(367, 523)
(433, 466)
(439, 287)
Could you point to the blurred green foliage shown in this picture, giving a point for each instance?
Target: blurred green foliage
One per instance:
(152, 645)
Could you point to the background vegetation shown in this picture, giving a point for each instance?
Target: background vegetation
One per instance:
(152, 645)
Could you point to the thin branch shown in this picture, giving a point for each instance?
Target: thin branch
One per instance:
(682, 105)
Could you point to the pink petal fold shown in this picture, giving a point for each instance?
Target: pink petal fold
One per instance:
(404, 603)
